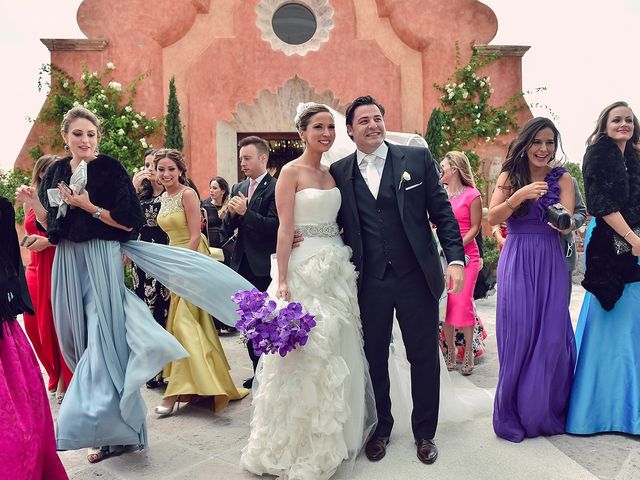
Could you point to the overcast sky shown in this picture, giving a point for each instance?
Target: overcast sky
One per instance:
(585, 52)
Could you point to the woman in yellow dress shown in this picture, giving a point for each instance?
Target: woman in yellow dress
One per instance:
(206, 371)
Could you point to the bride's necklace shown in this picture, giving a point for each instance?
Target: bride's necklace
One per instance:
(459, 192)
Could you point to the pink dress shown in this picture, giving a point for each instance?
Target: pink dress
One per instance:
(460, 312)
(27, 443)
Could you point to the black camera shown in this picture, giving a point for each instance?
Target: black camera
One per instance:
(558, 216)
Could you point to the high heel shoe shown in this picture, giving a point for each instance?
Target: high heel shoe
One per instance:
(162, 411)
(450, 359)
(60, 397)
(467, 363)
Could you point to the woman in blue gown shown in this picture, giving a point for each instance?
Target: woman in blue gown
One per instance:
(107, 335)
(606, 390)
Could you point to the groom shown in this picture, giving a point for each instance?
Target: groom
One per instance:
(390, 193)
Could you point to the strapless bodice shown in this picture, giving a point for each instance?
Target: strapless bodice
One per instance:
(316, 207)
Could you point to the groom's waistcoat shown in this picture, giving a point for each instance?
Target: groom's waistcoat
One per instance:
(384, 240)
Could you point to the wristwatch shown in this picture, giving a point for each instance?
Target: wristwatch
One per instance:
(97, 213)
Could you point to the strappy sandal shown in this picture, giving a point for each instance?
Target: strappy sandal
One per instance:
(60, 397)
(450, 359)
(467, 363)
(95, 455)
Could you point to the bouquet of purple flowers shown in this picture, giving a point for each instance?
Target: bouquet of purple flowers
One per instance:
(271, 326)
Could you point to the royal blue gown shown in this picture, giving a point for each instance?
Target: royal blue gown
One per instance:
(606, 390)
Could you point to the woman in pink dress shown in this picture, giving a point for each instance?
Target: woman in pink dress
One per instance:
(467, 207)
(27, 444)
(39, 327)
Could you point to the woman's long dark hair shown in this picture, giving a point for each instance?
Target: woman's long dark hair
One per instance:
(13, 289)
(224, 186)
(177, 158)
(517, 163)
(145, 192)
(601, 125)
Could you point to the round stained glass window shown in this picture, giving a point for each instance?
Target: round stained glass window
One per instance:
(294, 23)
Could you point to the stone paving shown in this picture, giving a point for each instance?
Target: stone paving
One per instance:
(196, 444)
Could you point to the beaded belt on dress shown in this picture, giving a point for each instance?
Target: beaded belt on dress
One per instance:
(319, 230)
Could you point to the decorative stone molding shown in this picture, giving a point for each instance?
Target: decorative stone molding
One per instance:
(80, 44)
(504, 50)
(274, 112)
(324, 20)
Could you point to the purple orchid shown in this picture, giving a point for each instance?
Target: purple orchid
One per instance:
(270, 328)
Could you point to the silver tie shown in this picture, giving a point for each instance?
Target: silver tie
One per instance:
(373, 177)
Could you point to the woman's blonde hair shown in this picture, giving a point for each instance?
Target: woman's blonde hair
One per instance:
(460, 162)
(40, 167)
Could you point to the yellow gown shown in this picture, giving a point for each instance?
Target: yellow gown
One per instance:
(206, 371)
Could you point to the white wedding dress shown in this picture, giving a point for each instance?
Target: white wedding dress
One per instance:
(314, 409)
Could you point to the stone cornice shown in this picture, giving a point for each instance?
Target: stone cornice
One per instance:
(504, 50)
(78, 44)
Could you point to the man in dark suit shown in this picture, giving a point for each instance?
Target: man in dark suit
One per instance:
(252, 213)
(390, 194)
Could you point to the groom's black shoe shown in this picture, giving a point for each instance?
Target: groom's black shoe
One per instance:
(427, 451)
(248, 383)
(376, 448)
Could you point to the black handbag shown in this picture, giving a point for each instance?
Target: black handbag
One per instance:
(229, 246)
(620, 245)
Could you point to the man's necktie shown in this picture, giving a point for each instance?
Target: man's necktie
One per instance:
(252, 188)
(373, 177)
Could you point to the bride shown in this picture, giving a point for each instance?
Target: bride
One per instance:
(314, 408)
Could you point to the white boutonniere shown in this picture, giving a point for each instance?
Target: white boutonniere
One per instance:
(404, 178)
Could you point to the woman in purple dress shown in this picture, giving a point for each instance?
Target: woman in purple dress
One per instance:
(536, 346)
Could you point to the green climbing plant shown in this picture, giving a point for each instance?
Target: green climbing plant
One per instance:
(125, 131)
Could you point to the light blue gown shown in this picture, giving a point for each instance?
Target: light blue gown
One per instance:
(606, 389)
(110, 339)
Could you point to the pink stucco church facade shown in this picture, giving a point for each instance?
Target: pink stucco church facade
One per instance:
(238, 71)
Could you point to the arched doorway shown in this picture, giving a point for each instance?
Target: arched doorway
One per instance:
(269, 116)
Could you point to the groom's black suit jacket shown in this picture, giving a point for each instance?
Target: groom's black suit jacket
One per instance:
(420, 199)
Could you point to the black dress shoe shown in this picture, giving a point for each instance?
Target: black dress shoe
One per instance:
(427, 451)
(248, 383)
(376, 448)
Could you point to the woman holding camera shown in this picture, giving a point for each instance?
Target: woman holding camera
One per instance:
(536, 346)
(606, 391)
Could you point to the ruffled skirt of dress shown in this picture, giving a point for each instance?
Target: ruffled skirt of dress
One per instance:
(27, 443)
(314, 408)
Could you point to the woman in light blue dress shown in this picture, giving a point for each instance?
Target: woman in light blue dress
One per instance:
(606, 390)
(108, 336)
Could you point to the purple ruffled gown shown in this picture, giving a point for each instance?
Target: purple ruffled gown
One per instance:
(536, 345)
